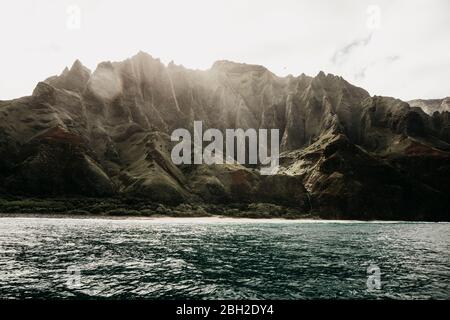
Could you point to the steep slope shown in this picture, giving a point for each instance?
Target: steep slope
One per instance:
(430, 106)
(107, 133)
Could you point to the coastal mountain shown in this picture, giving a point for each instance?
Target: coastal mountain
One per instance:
(345, 154)
(431, 106)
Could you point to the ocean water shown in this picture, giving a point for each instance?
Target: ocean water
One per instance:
(217, 258)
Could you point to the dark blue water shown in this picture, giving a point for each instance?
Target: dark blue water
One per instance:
(227, 259)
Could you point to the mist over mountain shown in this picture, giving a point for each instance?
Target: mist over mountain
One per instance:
(431, 106)
(345, 154)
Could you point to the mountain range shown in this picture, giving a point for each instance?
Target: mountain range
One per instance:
(344, 153)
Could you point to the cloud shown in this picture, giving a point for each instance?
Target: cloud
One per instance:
(391, 59)
(361, 72)
(341, 55)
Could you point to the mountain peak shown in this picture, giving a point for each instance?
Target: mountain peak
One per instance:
(65, 71)
(321, 74)
(143, 56)
(235, 67)
(78, 68)
(74, 79)
(77, 64)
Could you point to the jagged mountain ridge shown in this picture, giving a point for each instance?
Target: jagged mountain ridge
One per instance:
(345, 153)
(431, 106)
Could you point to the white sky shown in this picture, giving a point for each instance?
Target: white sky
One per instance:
(396, 48)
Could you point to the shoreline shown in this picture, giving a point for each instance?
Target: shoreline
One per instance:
(147, 218)
(141, 209)
(202, 219)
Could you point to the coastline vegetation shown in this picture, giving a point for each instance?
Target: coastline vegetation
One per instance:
(137, 207)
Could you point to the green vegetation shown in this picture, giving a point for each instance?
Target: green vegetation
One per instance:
(141, 208)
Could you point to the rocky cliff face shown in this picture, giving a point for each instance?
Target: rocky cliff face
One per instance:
(430, 106)
(107, 133)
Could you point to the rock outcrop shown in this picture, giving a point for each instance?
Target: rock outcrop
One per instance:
(430, 106)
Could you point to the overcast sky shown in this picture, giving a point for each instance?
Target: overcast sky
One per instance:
(397, 48)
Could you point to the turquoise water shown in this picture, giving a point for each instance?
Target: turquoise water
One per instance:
(221, 258)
